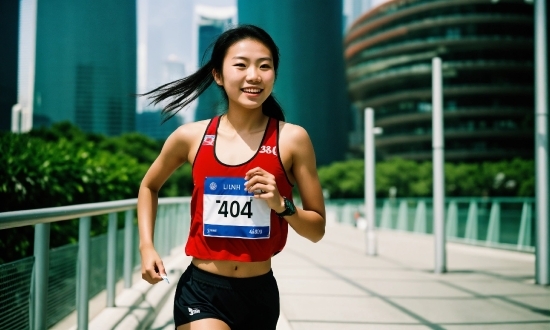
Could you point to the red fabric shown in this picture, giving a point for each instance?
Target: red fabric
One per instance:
(207, 165)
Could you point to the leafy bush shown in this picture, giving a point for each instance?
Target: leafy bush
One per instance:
(414, 179)
(64, 166)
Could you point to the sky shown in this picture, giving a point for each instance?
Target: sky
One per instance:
(165, 30)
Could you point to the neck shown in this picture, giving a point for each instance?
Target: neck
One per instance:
(245, 120)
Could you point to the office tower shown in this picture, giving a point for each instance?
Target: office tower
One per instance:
(9, 25)
(486, 48)
(310, 85)
(162, 51)
(148, 122)
(211, 22)
(85, 69)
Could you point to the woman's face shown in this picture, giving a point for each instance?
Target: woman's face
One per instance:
(248, 74)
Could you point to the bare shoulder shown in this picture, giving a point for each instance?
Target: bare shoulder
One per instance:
(294, 137)
(190, 131)
(293, 134)
(184, 140)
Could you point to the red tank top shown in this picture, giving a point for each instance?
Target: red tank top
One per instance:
(227, 223)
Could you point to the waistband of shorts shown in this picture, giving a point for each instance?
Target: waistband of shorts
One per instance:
(229, 282)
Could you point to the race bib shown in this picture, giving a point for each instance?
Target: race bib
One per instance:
(229, 210)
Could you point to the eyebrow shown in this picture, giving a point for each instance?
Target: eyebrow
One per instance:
(246, 58)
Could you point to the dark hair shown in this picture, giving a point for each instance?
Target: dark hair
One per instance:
(186, 90)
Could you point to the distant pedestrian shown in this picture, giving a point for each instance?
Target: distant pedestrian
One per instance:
(360, 221)
(245, 164)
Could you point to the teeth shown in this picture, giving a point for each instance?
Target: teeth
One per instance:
(251, 90)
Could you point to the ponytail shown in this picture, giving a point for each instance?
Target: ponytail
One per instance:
(272, 108)
(183, 91)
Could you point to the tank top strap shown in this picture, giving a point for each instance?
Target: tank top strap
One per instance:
(212, 126)
(271, 135)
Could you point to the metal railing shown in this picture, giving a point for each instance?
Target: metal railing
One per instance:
(506, 223)
(25, 298)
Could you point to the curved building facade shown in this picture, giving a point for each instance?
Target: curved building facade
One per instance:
(486, 48)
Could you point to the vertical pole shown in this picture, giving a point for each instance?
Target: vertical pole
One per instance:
(438, 167)
(111, 259)
(128, 247)
(542, 272)
(42, 264)
(83, 272)
(370, 201)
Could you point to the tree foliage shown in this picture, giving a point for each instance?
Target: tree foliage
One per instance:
(62, 166)
(414, 179)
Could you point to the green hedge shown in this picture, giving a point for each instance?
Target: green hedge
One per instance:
(64, 166)
(414, 179)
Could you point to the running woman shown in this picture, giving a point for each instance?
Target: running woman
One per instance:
(245, 165)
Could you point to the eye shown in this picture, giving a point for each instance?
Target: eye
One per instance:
(265, 66)
(240, 65)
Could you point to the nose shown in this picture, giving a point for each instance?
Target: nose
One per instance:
(252, 75)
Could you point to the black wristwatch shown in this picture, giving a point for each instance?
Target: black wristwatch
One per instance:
(290, 209)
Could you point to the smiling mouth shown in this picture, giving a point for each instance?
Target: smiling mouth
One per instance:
(252, 90)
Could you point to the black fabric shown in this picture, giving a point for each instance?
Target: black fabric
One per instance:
(242, 303)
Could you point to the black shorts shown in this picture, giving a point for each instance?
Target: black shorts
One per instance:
(242, 303)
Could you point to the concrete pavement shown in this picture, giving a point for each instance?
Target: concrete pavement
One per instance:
(334, 285)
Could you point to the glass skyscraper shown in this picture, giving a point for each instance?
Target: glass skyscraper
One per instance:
(86, 65)
(9, 22)
(310, 85)
(212, 21)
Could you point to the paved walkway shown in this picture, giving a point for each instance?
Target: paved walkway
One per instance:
(334, 285)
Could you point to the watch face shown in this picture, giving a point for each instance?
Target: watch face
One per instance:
(290, 208)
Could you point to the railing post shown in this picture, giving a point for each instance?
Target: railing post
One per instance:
(83, 272)
(493, 231)
(420, 218)
(402, 216)
(159, 243)
(524, 237)
(128, 247)
(452, 220)
(386, 222)
(347, 214)
(471, 223)
(111, 259)
(168, 228)
(183, 223)
(41, 264)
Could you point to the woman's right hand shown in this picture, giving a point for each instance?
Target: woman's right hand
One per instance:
(151, 265)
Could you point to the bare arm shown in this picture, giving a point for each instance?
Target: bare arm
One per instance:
(308, 222)
(174, 153)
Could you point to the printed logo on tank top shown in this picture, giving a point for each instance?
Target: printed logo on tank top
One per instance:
(208, 140)
(268, 150)
(229, 210)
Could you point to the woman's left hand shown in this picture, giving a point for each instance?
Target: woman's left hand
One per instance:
(264, 186)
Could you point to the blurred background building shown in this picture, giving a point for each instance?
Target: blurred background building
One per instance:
(85, 66)
(487, 52)
(9, 25)
(211, 22)
(310, 84)
(172, 38)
